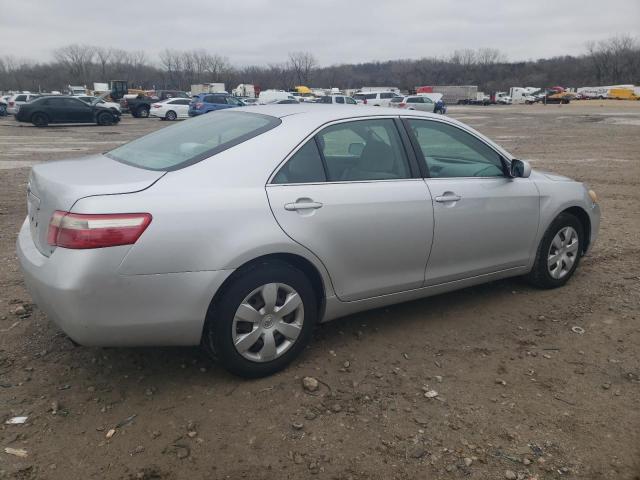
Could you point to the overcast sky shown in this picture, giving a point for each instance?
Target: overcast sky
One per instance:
(264, 31)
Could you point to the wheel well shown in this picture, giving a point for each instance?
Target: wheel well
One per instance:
(297, 261)
(583, 218)
(39, 113)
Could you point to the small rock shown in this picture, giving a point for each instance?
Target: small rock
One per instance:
(526, 461)
(310, 384)
(19, 310)
(55, 407)
(606, 386)
(547, 356)
(137, 450)
(192, 434)
(156, 433)
(438, 378)
(336, 408)
(450, 468)
(182, 451)
(510, 475)
(500, 381)
(418, 452)
(346, 364)
(431, 394)
(297, 425)
(467, 461)
(110, 433)
(309, 415)
(18, 452)
(297, 459)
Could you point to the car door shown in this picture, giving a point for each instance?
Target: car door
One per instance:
(351, 196)
(76, 111)
(181, 107)
(484, 221)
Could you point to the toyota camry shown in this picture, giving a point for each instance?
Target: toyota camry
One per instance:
(242, 229)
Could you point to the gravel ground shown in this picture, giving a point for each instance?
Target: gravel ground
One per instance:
(515, 392)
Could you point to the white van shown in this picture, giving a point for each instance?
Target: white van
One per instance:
(272, 96)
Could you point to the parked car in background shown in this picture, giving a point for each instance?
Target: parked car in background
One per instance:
(210, 102)
(249, 101)
(337, 99)
(286, 101)
(267, 238)
(14, 102)
(140, 106)
(376, 99)
(413, 102)
(4, 102)
(90, 100)
(171, 109)
(271, 96)
(65, 109)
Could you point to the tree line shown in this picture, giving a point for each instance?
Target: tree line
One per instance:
(612, 61)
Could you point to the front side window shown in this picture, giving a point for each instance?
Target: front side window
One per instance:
(387, 95)
(451, 152)
(363, 150)
(351, 101)
(187, 143)
(305, 166)
(324, 100)
(21, 98)
(339, 99)
(414, 100)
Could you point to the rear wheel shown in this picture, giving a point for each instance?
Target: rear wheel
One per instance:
(558, 253)
(262, 321)
(142, 112)
(40, 120)
(171, 115)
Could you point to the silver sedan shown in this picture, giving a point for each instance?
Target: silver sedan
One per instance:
(242, 229)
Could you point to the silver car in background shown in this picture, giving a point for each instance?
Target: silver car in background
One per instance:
(243, 228)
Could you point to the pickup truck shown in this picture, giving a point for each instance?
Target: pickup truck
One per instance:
(140, 105)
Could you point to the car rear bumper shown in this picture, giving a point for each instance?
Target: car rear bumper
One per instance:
(82, 292)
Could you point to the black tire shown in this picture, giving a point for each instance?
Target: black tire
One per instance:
(171, 115)
(142, 112)
(104, 119)
(217, 335)
(540, 275)
(40, 119)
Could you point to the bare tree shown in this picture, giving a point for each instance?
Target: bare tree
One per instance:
(302, 64)
(77, 59)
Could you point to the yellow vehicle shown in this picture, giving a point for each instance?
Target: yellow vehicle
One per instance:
(622, 94)
(301, 89)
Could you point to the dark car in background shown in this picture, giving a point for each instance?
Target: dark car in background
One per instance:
(210, 102)
(65, 109)
(140, 106)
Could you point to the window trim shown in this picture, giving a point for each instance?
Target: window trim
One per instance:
(424, 168)
(410, 154)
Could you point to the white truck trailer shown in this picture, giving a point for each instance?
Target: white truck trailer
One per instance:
(207, 88)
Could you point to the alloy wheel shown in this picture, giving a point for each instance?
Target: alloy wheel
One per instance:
(267, 322)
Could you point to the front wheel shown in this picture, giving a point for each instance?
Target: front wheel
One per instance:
(262, 321)
(559, 252)
(104, 119)
(142, 112)
(171, 115)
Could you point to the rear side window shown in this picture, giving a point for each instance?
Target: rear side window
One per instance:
(363, 150)
(351, 101)
(387, 95)
(339, 99)
(181, 145)
(414, 100)
(21, 98)
(304, 167)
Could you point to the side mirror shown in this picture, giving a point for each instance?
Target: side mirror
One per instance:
(356, 149)
(520, 168)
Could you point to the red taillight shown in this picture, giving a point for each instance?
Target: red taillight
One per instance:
(364, 101)
(156, 105)
(199, 105)
(80, 231)
(402, 104)
(11, 104)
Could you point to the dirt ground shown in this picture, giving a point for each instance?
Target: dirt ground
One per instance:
(520, 395)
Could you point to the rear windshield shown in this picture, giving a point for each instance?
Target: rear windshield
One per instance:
(189, 142)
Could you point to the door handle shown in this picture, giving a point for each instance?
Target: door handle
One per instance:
(448, 198)
(307, 205)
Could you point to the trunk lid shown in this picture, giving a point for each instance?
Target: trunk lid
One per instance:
(58, 185)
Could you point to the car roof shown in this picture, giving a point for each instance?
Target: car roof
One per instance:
(329, 112)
